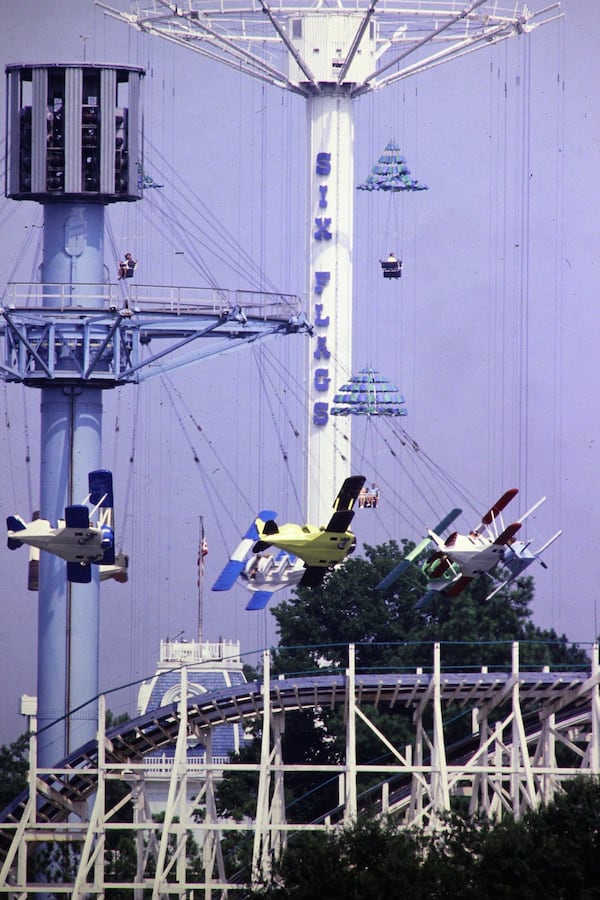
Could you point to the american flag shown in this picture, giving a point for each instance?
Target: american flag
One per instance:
(202, 551)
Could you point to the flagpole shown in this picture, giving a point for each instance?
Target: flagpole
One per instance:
(201, 554)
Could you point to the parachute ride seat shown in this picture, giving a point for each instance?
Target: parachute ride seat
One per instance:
(392, 268)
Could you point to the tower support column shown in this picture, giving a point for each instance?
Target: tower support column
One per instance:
(68, 614)
(73, 252)
(330, 204)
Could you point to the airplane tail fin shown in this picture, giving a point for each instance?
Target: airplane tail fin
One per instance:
(340, 520)
(426, 599)
(348, 494)
(117, 570)
(14, 523)
(508, 534)
(259, 546)
(77, 516)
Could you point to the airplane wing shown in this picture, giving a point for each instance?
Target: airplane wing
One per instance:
(340, 521)
(495, 510)
(259, 599)
(237, 561)
(404, 564)
(100, 495)
(345, 500)
(447, 520)
(400, 569)
(489, 519)
(508, 534)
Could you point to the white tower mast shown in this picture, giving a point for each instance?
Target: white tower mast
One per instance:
(331, 54)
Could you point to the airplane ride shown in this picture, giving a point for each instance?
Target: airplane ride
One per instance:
(117, 571)
(459, 558)
(271, 557)
(76, 539)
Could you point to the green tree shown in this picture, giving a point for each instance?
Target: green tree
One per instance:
(389, 631)
(368, 860)
(13, 769)
(552, 852)
(316, 626)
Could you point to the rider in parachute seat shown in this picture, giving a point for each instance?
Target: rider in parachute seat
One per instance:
(392, 267)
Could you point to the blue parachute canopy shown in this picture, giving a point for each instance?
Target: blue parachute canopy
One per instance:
(391, 173)
(368, 394)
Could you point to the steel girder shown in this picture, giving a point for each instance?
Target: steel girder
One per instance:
(128, 338)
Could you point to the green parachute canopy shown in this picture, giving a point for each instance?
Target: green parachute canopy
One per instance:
(391, 173)
(368, 394)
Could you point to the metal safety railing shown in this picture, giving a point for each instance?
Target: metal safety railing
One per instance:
(177, 299)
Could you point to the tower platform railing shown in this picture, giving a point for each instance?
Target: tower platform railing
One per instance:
(198, 652)
(148, 298)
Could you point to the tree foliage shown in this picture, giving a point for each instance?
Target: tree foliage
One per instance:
(13, 769)
(389, 633)
(550, 852)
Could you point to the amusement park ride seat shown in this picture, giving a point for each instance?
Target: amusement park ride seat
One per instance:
(391, 268)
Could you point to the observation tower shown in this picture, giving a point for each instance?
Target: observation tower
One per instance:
(74, 145)
(331, 54)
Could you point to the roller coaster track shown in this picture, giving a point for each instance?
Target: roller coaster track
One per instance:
(510, 763)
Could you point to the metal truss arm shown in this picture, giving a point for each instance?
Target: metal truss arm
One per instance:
(292, 50)
(22, 338)
(425, 40)
(356, 42)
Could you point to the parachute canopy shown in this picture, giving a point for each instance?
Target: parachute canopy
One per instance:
(391, 173)
(368, 394)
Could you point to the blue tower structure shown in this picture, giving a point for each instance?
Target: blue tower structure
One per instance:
(74, 145)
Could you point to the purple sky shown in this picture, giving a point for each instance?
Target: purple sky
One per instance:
(491, 333)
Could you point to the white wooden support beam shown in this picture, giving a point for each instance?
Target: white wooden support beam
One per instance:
(350, 796)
